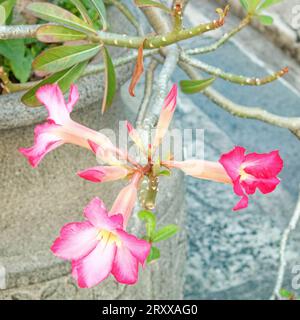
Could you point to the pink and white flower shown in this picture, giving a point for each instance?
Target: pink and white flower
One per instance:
(60, 128)
(251, 171)
(100, 246)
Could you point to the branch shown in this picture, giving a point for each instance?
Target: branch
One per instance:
(285, 236)
(121, 40)
(148, 89)
(171, 55)
(242, 80)
(214, 46)
(291, 123)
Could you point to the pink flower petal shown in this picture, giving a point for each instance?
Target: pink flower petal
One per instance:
(125, 266)
(76, 240)
(92, 174)
(96, 266)
(52, 98)
(243, 203)
(232, 161)
(138, 247)
(103, 173)
(165, 117)
(73, 98)
(97, 215)
(267, 185)
(265, 165)
(45, 140)
(237, 188)
(171, 99)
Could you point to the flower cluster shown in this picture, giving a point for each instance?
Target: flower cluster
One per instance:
(100, 245)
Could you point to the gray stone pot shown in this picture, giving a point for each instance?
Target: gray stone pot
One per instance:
(36, 203)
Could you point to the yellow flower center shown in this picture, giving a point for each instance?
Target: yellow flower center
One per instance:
(108, 237)
(243, 175)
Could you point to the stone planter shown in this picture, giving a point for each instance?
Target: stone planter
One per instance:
(35, 203)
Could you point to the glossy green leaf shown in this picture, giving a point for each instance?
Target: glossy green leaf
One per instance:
(53, 13)
(100, 7)
(150, 219)
(52, 34)
(19, 58)
(150, 3)
(244, 3)
(63, 78)
(165, 233)
(153, 255)
(110, 81)
(83, 11)
(266, 20)
(268, 3)
(2, 15)
(63, 57)
(194, 86)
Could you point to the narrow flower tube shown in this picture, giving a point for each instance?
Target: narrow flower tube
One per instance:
(201, 169)
(135, 137)
(126, 199)
(99, 246)
(103, 173)
(60, 128)
(165, 117)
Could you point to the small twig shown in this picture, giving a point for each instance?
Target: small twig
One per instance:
(214, 46)
(147, 92)
(242, 80)
(126, 12)
(285, 236)
(291, 123)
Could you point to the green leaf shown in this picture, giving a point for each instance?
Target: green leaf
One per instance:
(63, 57)
(244, 3)
(252, 5)
(285, 293)
(2, 15)
(194, 86)
(100, 7)
(150, 219)
(150, 3)
(19, 58)
(51, 34)
(153, 255)
(53, 13)
(165, 233)
(165, 173)
(63, 78)
(266, 20)
(83, 11)
(110, 81)
(268, 3)
(6, 8)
